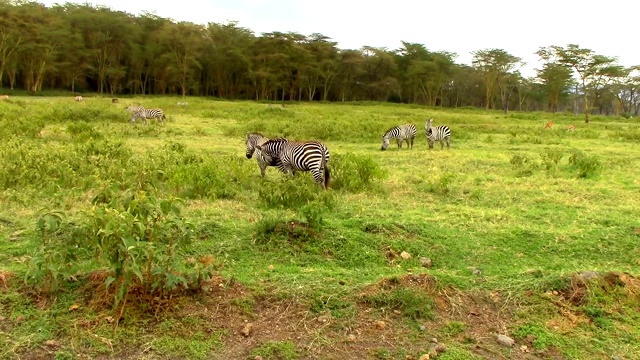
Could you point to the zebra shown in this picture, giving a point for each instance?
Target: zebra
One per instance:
(148, 114)
(406, 132)
(439, 133)
(78, 98)
(303, 156)
(254, 139)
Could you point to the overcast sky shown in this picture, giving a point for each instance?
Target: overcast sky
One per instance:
(607, 27)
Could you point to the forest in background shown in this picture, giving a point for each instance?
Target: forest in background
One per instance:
(83, 49)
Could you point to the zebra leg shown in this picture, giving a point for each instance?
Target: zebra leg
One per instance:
(412, 139)
(448, 140)
(441, 144)
(262, 165)
(399, 143)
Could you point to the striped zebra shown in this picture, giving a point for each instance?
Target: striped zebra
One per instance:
(439, 133)
(406, 132)
(252, 141)
(145, 114)
(299, 156)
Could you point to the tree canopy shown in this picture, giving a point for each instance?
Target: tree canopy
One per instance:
(83, 48)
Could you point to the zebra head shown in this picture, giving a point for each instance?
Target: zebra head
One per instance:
(252, 141)
(428, 124)
(385, 142)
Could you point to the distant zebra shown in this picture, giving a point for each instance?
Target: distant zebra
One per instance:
(303, 156)
(148, 114)
(439, 133)
(3, 97)
(406, 132)
(78, 98)
(182, 103)
(255, 139)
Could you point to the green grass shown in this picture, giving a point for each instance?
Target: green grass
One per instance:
(524, 206)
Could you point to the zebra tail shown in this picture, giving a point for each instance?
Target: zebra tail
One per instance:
(327, 172)
(327, 175)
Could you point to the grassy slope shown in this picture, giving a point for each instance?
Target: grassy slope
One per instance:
(524, 228)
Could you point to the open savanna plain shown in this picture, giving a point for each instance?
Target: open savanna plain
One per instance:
(135, 241)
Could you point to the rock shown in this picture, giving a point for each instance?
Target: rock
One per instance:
(440, 348)
(258, 357)
(246, 331)
(351, 338)
(475, 271)
(524, 348)
(380, 324)
(434, 340)
(426, 262)
(405, 255)
(505, 340)
(422, 327)
(425, 357)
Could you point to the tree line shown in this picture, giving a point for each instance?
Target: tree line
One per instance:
(85, 48)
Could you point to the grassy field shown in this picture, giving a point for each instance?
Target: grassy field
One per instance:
(163, 241)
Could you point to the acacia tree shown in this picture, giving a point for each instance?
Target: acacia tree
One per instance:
(556, 80)
(594, 71)
(495, 67)
(183, 44)
(627, 91)
(10, 37)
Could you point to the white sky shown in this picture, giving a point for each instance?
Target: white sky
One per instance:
(521, 28)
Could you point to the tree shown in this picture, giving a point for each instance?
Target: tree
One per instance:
(495, 67)
(595, 72)
(10, 37)
(183, 43)
(556, 81)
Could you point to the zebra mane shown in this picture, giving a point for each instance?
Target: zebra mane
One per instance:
(276, 140)
(255, 133)
(390, 130)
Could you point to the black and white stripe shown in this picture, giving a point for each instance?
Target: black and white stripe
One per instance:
(255, 139)
(299, 156)
(148, 114)
(405, 132)
(439, 133)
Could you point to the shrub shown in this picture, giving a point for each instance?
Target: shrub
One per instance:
(143, 238)
(355, 173)
(586, 166)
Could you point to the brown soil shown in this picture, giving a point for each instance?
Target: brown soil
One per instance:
(370, 332)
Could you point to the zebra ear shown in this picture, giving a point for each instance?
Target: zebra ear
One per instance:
(258, 147)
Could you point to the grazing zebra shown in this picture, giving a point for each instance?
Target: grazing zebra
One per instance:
(439, 133)
(406, 132)
(303, 156)
(252, 141)
(148, 114)
(78, 98)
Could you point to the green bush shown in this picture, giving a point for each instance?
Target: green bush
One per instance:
(355, 173)
(143, 239)
(585, 166)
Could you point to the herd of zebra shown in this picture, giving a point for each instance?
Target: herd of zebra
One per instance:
(139, 112)
(313, 156)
